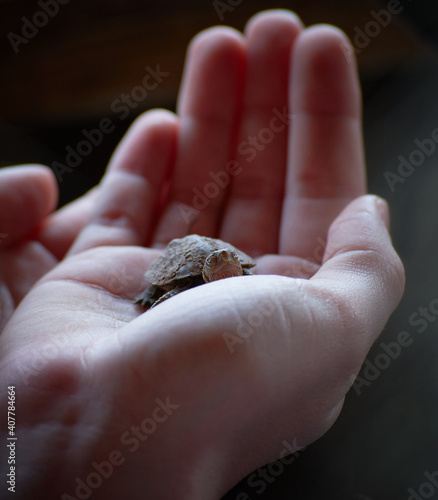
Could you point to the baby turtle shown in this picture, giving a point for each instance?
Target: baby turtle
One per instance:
(191, 261)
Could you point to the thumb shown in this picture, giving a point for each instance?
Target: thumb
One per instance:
(362, 265)
(28, 193)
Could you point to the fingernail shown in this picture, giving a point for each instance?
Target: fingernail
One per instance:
(383, 209)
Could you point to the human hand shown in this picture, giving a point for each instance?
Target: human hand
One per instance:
(33, 238)
(245, 363)
(27, 195)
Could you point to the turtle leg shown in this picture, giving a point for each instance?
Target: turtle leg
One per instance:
(246, 272)
(150, 296)
(181, 287)
(171, 293)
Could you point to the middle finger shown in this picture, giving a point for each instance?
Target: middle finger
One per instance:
(252, 216)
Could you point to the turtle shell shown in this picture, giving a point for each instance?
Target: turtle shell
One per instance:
(185, 257)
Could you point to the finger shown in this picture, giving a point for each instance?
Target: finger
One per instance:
(28, 193)
(61, 228)
(361, 266)
(286, 265)
(326, 163)
(131, 191)
(208, 106)
(252, 217)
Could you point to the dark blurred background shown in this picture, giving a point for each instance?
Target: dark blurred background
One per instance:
(66, 75)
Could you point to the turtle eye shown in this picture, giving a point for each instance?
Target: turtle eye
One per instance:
(235, 256)
(211, 260)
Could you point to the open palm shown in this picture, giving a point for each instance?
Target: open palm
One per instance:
(265, 153)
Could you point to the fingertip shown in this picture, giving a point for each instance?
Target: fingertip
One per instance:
(152, 135)
(327, 39)
(28, 194)
(41, 186)
(214, 46)
(327, 33)
(153, 124)
(215, 38)
(357, 226)
(213, 73)
(374, 205)
(325, 72)
(383, 209)
(131, 191)
(361, 268)
(270, 36)
(157, 116)
(360, 238)
(156, 128)
(45, 183)
(275, 18)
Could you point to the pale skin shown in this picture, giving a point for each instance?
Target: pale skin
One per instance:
(234, 405)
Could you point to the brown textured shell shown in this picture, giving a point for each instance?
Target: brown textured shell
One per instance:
(185, 257)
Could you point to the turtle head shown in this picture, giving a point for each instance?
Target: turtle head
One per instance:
(221, 264)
